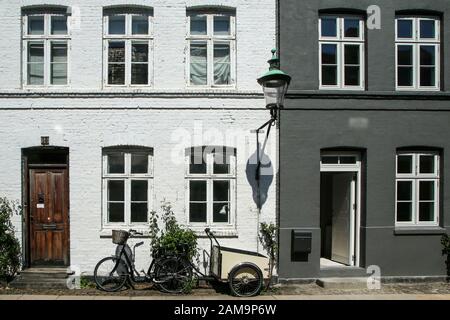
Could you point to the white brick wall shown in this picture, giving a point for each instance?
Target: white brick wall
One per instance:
(85, 124)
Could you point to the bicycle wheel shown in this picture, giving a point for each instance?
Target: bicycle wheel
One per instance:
(245, 280)
(110, 274)
(173, 275)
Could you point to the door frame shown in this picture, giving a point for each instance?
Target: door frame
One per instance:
(29, 162)
(355, 220)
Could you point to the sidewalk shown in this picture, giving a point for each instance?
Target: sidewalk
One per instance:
(224, 297)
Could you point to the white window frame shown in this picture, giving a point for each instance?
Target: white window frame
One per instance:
(47, 39)
(416, 177)
(416, 42)
(127, 177)
(209, 177)
(128, 38)
(340, 41)
(210, 39)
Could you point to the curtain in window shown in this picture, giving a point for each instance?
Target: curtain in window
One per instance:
(222, 63)
(198, 64)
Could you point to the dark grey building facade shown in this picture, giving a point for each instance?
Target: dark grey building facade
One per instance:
(364, 137)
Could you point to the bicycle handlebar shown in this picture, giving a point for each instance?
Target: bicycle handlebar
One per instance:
(134, 232)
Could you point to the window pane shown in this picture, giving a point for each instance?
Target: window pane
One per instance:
(404, 164)
(116, 190)
(197, 190)
(139, 212)
(59, 63)
(329, 75)
(404, 28)
(426, 190)
(116, 25)
(116, 163)
(330, 159)
(351, 53)
(352, 76)
(221, 190)
(221, 25)
(116, 51)
(351, 28)
(427, 29)
(139, 52)
(427, 77)
(116, 212)
(404, 190)
(328, 27)
(404, 211)
(36, 52)
(222, 162)
(347, 159)
(426, 211)
(35, 63)
(221, 63)
(139, 25)
(198, 73)
(198, 25)
(197, 212)
(139, 190)
(35, 25)
(36, 74)
(405, 76)
(427, 55)
(116, 74)
(139, 74)
(59, 24)
(427, 164)
(197, 162)
(139, 163)
(405, 55)
(329, 54)
(221, 212)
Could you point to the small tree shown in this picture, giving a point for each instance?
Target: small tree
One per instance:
(445, 241)
(269, 239)
(10, 255)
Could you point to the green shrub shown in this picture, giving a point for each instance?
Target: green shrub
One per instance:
(168, 238)
(269, 239)
(10, 256)
(445, 241)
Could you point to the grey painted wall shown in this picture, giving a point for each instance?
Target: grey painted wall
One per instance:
(314, 120)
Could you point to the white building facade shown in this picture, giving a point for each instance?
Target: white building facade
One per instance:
(103, 105)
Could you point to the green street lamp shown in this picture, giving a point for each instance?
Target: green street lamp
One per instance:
(275, 84)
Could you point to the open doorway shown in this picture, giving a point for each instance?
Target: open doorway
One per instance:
(339, 209)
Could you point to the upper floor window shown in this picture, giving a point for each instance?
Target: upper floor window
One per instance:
(341, 56)
(417, 188)
(417, 42)
(128, 47)
(46, 43)
(127, 186)
(211, 184)
(211, 48)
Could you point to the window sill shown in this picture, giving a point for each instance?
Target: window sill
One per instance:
(416, 230)
(218, 232)
(107, 233)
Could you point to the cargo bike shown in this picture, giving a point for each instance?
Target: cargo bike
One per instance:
(244, 271)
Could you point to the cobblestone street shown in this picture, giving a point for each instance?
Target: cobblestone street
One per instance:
(407, 291)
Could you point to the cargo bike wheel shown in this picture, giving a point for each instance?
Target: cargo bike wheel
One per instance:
(173, 275)
(245, 280)
(110, 274)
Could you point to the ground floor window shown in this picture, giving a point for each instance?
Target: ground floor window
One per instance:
(417, 189)
(210, 180)
(127, 185)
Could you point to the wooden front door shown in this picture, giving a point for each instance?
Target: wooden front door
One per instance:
(49, 216)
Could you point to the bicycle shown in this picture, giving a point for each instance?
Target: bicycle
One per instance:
(112, 273)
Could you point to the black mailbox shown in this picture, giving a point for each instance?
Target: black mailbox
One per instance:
(300, 245)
